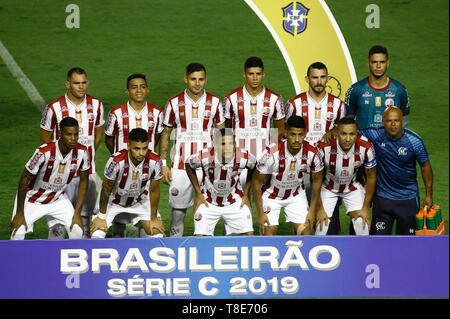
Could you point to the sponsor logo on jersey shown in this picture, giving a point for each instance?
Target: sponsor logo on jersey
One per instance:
(367, 94)
(389, 94)
(389, 102)
(380, 225)
(295, 18)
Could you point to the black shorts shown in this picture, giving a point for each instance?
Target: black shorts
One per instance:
(386, 211)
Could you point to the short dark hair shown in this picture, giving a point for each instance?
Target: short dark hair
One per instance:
(295, 121)
(316, 65)
(76, 70)
(346, 120)
(195, 67)
(136, 76)
(253, 62)
(138, 135)
(68, 122)
(378, 49)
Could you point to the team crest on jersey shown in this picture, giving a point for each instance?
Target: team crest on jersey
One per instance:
(303, 168)
(145, 177)
(181, 104)
(124, 115)
(91, 117)
(151, 124)
(402, 151)
(389, 102)
(64, 108)
(221, 185)
(345, 173)
(266, 100)
(207, 114)
(133, 185)
(208, 103)
(266, 111)
(330, 116)
(295, 17)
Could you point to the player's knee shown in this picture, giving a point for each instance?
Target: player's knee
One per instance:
(76, 232)
(98, 234)
(360, 226)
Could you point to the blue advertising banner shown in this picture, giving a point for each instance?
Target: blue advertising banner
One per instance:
(227, 267)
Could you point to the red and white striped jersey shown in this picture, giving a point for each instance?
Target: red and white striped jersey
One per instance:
(194, 123)
(341, 167)
(286, 170)
(252, 118)
(123, 118)
(131, 181)
(220, 184)
(319, 117)
(53, 171)
(89, 115)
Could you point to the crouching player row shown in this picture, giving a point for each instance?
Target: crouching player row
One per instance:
(279, 180)
(128, 177)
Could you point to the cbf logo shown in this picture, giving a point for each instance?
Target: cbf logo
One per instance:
(294, 18)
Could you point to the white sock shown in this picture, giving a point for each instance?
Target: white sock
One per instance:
(98, 234)
(20, 233)
(76, 232)
(325, 225)
(177, 223)
(358, 224)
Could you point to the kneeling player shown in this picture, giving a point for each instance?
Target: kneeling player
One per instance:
(125, 188)
(342, 159)
(220, 194)
(280, 172)
(44, 180)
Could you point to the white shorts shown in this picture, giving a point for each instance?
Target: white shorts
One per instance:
(133, 214)
(181, 192)
(60, 211)
(353, 200)
(89, 199)
(295, 208)
(237, 220)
